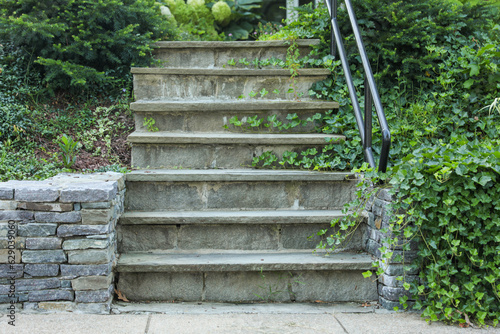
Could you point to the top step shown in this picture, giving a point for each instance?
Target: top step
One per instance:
(219, 54)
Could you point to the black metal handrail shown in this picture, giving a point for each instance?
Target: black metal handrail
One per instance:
(371, 92)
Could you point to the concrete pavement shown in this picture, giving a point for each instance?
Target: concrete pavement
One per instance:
(231, 318)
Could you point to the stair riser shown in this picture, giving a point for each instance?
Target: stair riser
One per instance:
(162, 86)
(138, 238)
(206, 156)
(157, 196)
(216, 121)
(286, 286)
(219, 58)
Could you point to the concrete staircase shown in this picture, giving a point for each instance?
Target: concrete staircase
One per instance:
(200, 224)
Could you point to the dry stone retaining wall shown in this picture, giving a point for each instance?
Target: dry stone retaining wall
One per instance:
(378, 220)
(58, 242)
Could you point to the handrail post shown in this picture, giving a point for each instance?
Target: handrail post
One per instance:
(368, 115)
(333, 47)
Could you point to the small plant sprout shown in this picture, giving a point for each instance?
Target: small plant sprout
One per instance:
(68, 150)
(149, 123)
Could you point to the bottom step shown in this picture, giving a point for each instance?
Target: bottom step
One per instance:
(246, 277)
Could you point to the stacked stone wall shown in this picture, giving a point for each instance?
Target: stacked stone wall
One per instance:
(58, 242)
(378, 221)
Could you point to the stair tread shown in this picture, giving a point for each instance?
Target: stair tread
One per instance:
(235, 175)
(229, 138)
(228, 72)
(204, 105)
(229, 217)
(240, 261)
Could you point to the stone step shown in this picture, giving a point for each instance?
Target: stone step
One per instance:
(218, 54)
(214, 115)
(189, 83)
(245, 277)
(228, 230)
(245, 190)
(216, 150)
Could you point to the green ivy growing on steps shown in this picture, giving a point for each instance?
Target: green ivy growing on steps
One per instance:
(447, 200)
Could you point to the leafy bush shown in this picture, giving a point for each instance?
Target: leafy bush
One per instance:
(84, 44)
(15, 89)
(217, 20)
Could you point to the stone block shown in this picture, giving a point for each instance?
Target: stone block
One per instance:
(44, 256)
(48, 295)
(57, 306)
(8, 205)
(92, 282)
(398, 269)
(76, 270)
(90, 256)
(392, 281)
(56, 217)
(385, 194)
(96, 216)
(97, 205)
(145, 238)
(18, 243)
(66, 283)
(391, 293)
(242, 237)
(87, 243)
(38, 270)
(161, 286)
(89, 192)
(390, 305)
(10, 256)
(11, 270)
(97, 296)
(37, 284)
(36, 193)
(94, 308)
(6, 192)
(55, 207)
(81, 230)
(332, 286)
(247, 286)
(36, 229)
(43, 243)
(17, 298)
(16, 215)
(6, 230)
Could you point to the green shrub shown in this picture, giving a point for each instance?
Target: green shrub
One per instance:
(215, 20)
(83, 44)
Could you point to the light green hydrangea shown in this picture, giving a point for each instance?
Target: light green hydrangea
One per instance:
(222, 13)
(196, 3)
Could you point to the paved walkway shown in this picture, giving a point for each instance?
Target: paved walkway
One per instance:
(225, 318)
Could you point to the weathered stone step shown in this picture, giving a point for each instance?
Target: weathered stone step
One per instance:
(214, 115)
(216, 150)
(249, 190)
(224, 230)
(188, 83)
(229, 217)
(218, 54)
(244, 276)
